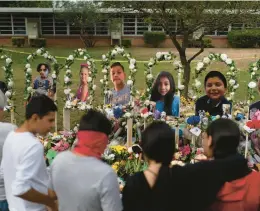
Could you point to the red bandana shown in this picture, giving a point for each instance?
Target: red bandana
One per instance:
(91, 143)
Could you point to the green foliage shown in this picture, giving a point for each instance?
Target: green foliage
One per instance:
(154, 38)
(248, 38)
(126, 43)
(40, 4)
(18, 41)
(38, 43)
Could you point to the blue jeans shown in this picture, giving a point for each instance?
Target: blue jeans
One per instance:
(4, 205)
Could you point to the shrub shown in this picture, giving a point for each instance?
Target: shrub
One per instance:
(38, 42)
(247, 38)
(126, 43)
(18, 41)
(154, 38)
(197, 44)
(207, 43)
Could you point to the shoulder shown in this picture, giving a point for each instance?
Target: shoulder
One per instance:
(7, 126)
(202, 99)
(135, 180)
(225, 101)
(176, 98)
(255, 105)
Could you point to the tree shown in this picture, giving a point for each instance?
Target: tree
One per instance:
(83, 15)
(194, 18)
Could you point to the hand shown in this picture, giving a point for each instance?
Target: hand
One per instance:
(54, 207)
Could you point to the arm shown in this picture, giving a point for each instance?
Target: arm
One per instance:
(176, 106)
(109, 193)
(29, 166)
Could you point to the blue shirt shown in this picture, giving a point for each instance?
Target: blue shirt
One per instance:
(175, 106)
(121, 97)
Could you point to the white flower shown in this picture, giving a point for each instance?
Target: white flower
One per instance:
(252, 84)
(232, 68)
(68, 71)
(232, 94)
(134, 70)
(29, 89)
(229, 61)
(206, 60)
(68, 104)
(105, 77)
(136, 156)
(181, 87)
(200, 65)
(94, 87)
(232, 82)
(254, 64)
(228, 73)
(130, 150)
(197, 83)
(53, 75)
(253, 73)
(228, 98)
(8, 94)
(120, 50)
(10, 84)
(145, 115)
(149, 76)
(147, 102)
(127, 115)
(255, 69)
(104, 70)
(66, 79)
(45, 55)
(104, 57)
(111, 157)
(27, 66)
(130, 82)
(2, 57)
(101, 81)
(4, 68)
(82, 106)
(223, 57)
(131, 66)
(70, 57)
(194, 97)
(38, 52)
(81, 53)
(89, 79)
(85, 58)
(67, 91)
(114, 52)
(29, 70)
(158, 55)
(150, 64)
(88, 107)
(8, 61)
(29, 57)
(236, 86)
(132, 61)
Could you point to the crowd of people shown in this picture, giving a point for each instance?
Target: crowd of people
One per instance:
(79, 180)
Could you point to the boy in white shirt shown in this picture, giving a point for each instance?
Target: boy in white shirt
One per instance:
(23, 164)
(5, 128)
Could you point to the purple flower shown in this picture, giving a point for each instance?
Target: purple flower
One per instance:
(157, 114)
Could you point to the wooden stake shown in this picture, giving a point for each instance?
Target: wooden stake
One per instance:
(129, 141)
(177, 137)
(56, 114)
(66, 119)
(246, 147)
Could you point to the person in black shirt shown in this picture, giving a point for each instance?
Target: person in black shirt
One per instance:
(164, 188)
(215, 85)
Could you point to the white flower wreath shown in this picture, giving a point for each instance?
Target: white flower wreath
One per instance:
(72, 104)
(9, 80)
(28, 70)
(254, 77)
(106, 59)
(231, 75)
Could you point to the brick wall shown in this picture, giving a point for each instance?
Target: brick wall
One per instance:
(75, 42)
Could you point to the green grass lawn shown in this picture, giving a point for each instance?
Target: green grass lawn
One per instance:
(141, 54)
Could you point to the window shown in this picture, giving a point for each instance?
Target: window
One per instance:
(156, 27)
(237, 26)
(223, 31)
(19, 24)
(60, 27)
(142, 26)
(74, 30)
(102, 28)
(5, 24)
(129, 25)
(47, 24)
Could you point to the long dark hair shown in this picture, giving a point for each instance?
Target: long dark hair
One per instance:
(168, 99)
(225, 135)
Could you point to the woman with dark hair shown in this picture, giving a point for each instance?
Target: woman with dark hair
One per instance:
(163, 92)
(161, 187)
(221, 140)
(3, 87)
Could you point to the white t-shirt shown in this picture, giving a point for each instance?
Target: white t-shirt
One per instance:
(24, 168)
(5, 128)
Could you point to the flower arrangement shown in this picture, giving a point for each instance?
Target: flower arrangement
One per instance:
(9, 80)
(231, 75)
(254, 75)
(28, 70)
(71, 103)
(106, 59)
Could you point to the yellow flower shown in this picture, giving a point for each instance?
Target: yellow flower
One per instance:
(207, 114)
(118, 149)
(115, 166)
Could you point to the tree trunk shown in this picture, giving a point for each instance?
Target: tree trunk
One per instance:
(186, 77)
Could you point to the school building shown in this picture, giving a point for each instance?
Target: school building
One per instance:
(41, 22)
